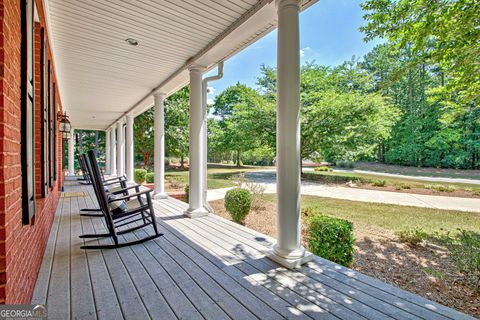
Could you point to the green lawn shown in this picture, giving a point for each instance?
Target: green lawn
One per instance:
(401, 183)
(218, 176)
(393, 217)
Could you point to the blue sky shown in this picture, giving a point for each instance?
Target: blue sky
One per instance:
(328, 34)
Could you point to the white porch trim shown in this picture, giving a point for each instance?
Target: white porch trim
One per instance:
(107, 151)
(71, 153)
(159, 146)
(288, 250)
(129, 148)
(113, 152)
(120, 149)
(198, 126)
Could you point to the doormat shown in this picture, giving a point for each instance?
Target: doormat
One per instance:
(73, 194)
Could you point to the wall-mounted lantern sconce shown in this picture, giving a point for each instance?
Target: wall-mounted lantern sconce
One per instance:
(64, 125)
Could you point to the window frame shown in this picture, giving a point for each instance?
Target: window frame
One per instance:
(44, 118)
(27, 137)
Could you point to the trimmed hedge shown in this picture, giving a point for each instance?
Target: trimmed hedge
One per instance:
(139, 175)
(326, 177)
(150, 177)
(322, 168)
(331, 238)
(238, 202)
(187, 193)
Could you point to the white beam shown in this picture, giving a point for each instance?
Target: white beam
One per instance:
(197, 128)
(107, 151)
(129, 148)
(120, 149)
(159, 146)
(288, 250)
(71, 153)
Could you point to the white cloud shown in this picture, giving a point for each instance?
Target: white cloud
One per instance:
(209, 101)
(211, 90)
(303, 51)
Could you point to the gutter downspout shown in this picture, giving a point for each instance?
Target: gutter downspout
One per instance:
(204, 108)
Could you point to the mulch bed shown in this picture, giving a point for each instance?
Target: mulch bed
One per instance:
(425, 270)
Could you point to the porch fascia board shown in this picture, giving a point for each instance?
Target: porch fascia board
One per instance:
(246, 30)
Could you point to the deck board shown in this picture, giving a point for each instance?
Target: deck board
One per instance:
(205, 268)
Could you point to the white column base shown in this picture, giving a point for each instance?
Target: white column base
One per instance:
(196, 213)
(293, 261)
(160, 195)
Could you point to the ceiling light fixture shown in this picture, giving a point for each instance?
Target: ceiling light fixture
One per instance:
(132, 42)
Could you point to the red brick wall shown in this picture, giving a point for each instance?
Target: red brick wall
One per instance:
(21, 246)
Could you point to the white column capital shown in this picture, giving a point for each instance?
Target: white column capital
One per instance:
(281, 4)
(160, 94)
(196, 68)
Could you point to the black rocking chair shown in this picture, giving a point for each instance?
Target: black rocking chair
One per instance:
(120, 183)
(139, 212)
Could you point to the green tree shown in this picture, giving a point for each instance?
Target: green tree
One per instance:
(144, 136)
(176, 124)
(445, 33)
(246, 120)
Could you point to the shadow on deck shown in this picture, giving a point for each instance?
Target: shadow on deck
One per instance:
(205, 268)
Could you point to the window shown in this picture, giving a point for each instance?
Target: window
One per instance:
(50, 125)
(54, 133)
(44, 126)
(28, 112)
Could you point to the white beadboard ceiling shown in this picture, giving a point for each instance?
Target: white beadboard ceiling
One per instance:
(101, 77)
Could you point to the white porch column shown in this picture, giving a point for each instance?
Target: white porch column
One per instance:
(113, 152)
(288, 250)
(159, 146)
(107, 151)
(120, 149)
(197, 141)
(71, 153)
(129, 148)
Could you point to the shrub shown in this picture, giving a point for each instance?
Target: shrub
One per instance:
(187, 193)
(440, 187)
(175, 182)
(139, 175)
(412, 237)
(379, 183)
(334, 179)
(150, 177)
(322, 168)
(345, 164)
(331, 238)
(402, 186)
(238, 202)
(466, 254)
(256, 190)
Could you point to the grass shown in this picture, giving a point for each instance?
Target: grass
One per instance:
(217, 175)
(393, 217)
(398, 183)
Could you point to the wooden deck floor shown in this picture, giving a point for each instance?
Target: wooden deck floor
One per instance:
(205, 268)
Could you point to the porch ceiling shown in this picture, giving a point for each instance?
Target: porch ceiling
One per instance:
(101, 77)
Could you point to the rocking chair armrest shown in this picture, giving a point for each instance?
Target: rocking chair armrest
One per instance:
(121, 178)
(131, 196)
(110, 183)
(136, 187)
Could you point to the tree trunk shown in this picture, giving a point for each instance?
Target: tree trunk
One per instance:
(80, 142)
(182, 161)
(238, 158)
(96, 143)
(146, 158)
